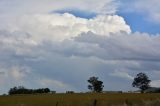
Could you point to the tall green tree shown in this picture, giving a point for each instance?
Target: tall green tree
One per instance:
(141, 81)
(95, 84)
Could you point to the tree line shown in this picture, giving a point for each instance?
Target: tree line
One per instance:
(141, 81)
(23, 90)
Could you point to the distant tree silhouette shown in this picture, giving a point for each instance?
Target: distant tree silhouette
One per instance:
(141, 81)
(23, 90)
(46, 90)
(95, 84)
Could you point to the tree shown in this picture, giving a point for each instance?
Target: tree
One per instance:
(141, 81)
(46, 90)
(95, 84)
(23, 90)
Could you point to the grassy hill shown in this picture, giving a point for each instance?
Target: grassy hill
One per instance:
(82, 100)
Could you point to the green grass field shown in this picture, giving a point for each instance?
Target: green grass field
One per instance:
(81, 100)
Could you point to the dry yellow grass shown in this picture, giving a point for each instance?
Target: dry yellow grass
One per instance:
(81, 100)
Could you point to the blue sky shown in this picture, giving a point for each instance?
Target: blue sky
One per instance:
(139, 23)
(60, 44)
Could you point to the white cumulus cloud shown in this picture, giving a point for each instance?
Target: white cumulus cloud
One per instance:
(58, 27)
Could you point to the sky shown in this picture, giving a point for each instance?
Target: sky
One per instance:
(59, 44)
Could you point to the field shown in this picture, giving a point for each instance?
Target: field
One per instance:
(81, 100)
